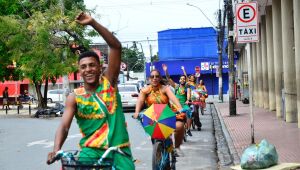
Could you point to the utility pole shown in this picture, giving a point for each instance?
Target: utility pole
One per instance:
(220, 53)
(232, 100)
(65, 77)
(151, 57)
(127, 61)
(144, 60)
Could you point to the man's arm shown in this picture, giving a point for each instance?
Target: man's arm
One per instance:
(184, 72)
(188, 95)
(171, 82)
(173, 98)
(114, 58)
(63, 129)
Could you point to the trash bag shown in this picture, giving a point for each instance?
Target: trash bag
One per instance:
(259, 156)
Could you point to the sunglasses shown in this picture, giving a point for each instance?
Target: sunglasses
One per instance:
(155, 76)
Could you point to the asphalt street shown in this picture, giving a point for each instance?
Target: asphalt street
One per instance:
(30, 139)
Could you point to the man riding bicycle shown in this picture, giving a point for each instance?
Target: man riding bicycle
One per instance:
(97, 106)
(183, 94)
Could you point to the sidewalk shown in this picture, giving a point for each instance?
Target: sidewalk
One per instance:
(284, 136)
(13, 112)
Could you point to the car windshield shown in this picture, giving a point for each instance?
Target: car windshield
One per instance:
(126, 88)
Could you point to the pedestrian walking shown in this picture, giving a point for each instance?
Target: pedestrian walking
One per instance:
(5, 98)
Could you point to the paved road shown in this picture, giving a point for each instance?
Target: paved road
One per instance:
(25, 143)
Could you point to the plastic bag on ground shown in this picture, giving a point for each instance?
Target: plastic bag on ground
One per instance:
(258, 156)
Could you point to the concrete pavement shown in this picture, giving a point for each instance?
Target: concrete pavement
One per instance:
(284, 136)
(200, 149)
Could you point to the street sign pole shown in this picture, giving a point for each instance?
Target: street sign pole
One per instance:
(247, 32)
(250, 95)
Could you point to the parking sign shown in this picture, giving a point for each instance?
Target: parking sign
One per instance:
(246, 22)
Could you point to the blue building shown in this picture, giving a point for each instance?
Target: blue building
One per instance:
(191, 47)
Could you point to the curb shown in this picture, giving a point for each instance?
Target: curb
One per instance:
(232, 151)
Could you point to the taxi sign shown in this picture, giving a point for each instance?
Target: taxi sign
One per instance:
(247, 29)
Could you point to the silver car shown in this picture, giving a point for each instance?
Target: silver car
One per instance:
(129, 94)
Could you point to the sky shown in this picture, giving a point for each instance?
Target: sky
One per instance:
(140, 20)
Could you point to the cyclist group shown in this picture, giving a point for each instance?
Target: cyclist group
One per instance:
(98, 110)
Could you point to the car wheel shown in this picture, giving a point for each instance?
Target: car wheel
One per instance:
(49, 100)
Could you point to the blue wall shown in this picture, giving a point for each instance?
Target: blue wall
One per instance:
(191, 47)
(190, 43)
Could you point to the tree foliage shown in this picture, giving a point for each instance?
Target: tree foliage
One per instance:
(37, 35)
(133, 58)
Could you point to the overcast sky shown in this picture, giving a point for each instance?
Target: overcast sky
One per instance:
(140, 20)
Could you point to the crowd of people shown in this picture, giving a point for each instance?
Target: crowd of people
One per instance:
(97, 105)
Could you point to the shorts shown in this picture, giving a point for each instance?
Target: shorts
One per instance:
(188, 111)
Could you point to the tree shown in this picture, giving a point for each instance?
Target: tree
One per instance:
(38, 39)
(133, 58)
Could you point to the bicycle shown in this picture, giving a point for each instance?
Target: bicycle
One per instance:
(70, 160)
(163, 154)
(195, 107)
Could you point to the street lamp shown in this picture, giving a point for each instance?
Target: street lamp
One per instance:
(202, 13)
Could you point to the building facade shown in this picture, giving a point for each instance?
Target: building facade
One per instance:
(275, 60)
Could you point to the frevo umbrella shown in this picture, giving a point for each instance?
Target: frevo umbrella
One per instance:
(159, 121)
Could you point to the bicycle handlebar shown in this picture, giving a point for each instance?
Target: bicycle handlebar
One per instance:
(57, 156)
(64, 154)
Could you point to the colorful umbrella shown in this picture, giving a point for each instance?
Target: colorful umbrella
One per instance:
(159, 121)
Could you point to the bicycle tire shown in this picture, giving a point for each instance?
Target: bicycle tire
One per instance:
(202, 110)
(158, 162)
(173, 161)
(185, 136)
(193, 122)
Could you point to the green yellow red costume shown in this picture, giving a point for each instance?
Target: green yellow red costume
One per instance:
(102, 123)
(181, 95)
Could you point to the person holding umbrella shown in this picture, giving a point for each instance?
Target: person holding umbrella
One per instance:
(158, 93)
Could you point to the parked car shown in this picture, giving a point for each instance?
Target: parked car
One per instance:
(140, 83)
(129, 94)
(55, 95)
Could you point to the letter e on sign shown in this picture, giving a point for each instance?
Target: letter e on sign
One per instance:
(246, 22)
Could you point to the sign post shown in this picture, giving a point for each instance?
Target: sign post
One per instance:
(248, 31)
(247, 22)
(197, 71)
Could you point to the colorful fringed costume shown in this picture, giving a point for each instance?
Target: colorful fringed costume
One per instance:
(154, 95)
(102, 123)
(181, 95)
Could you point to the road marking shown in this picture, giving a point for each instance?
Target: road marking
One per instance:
(47, 143)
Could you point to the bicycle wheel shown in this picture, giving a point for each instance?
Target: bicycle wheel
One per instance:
(160, 157)
(173, 161)
(202, 110)
(185, 135)
(193, 123)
